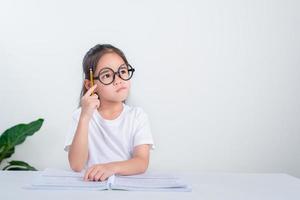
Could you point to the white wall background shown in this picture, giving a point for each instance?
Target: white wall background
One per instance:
(220, 80)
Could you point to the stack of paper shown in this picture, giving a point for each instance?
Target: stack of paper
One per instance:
(53, 179)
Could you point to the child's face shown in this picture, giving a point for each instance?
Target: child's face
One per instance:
(118, 90)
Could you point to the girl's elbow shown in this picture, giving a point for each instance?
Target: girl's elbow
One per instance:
(143, 170)
(75, 164)
(144, 167)
(76, 168)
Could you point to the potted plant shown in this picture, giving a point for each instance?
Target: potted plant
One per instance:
(15, 136)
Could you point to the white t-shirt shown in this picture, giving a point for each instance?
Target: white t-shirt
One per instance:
(113, 140)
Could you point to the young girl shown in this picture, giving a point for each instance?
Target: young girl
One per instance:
(107, 136)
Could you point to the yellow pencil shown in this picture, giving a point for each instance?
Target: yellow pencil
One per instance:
(91, 79)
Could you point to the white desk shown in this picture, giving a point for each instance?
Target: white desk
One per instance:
(208, 186)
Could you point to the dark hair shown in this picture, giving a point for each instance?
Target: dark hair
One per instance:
(92, 58)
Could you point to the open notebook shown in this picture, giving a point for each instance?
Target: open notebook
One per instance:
(54, 179)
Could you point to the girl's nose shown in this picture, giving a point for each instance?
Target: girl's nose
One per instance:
(117, 80)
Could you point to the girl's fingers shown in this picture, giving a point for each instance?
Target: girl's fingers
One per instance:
(98, 175)
(87, 173)
(95, 103)
(91, 90)
(104, 176)
(92, 174)
(94, 96)
(98, 104)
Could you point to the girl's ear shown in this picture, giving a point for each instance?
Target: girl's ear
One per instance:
(87, 84)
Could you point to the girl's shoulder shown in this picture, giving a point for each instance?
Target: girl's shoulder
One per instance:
(76, 113)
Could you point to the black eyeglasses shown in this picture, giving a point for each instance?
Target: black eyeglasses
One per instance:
(107, 75)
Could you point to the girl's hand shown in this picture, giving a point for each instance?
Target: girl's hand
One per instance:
(89, 103)
(100, 172)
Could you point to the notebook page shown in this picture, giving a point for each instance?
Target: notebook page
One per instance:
(152, 175)
(55, 179)
(148, 182)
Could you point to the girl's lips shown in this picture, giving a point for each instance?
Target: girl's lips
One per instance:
(122, 88)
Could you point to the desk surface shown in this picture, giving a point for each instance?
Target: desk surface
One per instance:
(221, 186)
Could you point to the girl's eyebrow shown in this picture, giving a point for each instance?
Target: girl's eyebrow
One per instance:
(123, 66)
(104, 71)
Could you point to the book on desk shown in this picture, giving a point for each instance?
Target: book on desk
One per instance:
(55, 179)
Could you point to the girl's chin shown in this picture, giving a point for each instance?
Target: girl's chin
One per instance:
(119, 98)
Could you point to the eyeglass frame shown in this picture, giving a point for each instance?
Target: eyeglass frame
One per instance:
(117, 72)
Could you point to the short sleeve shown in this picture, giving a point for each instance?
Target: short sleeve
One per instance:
(72, 129)
(142, 133)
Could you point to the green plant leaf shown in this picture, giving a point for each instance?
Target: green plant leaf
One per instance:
(17, 135)
(19, 165)
(20, 169)
(2, 149)
(18, 162)
(6, 153)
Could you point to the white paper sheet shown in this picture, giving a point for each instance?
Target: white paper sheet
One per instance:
(53, 179)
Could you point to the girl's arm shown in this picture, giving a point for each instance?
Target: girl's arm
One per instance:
(136, 165)
(78, 152)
